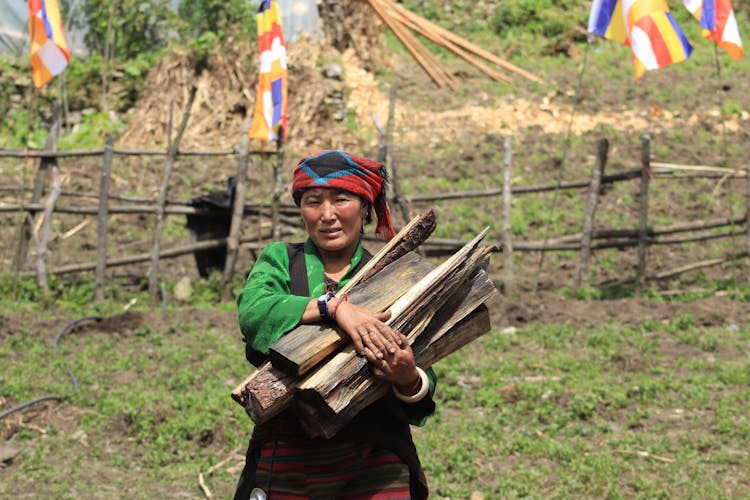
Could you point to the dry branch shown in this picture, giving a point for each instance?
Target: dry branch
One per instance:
(443, 42)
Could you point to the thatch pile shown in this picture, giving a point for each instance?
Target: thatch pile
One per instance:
(228, 83)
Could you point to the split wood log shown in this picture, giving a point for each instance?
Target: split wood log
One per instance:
(265, 393)
(294, 353)
(412, 316)
(269, 390)
(344, 385)
(409, 238)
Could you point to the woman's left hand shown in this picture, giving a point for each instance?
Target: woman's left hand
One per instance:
(398, 366)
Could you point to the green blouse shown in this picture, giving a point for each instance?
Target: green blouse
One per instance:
(267, 310)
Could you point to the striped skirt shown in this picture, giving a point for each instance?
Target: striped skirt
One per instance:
(324, 470)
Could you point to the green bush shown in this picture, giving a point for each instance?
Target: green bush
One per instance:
(539, 17)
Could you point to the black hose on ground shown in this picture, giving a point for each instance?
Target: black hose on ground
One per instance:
(69, 326)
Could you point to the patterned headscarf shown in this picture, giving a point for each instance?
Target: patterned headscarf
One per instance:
(338, 169)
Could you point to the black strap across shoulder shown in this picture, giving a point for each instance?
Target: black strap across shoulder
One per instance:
(298, 269)
(298, 285)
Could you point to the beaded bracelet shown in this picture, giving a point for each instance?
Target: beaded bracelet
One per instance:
(423, 390)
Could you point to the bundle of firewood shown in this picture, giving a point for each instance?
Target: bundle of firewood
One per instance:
(315, 370)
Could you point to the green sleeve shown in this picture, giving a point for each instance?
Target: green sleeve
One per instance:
(266, 308)
(417, 414)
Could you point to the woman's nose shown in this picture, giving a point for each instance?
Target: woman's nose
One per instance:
(327, 210)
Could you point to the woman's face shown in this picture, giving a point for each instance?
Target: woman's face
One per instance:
(333, 218)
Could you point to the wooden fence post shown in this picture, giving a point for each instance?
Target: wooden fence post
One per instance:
(640, 281)
(174, 146)
(507, 232)
(46, 231)
(101, 247)
(238, 208)
(41, 177)
(588, 219)
(277, 180)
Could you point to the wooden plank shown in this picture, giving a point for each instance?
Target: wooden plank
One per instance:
(302, 348)
(345, 383)
(329, 398)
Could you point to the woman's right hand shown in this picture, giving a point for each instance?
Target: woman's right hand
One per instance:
(371, 336)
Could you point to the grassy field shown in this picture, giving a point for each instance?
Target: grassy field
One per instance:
(651, 403)
(608, 395)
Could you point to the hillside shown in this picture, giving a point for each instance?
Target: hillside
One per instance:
(610, 394)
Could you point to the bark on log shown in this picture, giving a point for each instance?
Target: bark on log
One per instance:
(410, 237)
(345, 385)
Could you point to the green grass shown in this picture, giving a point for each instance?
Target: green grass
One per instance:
(649, 409)
(600, 430)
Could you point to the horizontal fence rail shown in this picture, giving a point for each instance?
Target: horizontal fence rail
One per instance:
(284, 217)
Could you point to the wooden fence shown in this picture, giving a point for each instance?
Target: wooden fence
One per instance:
(284, 218)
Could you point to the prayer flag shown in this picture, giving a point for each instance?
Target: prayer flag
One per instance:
(647, 26)
(270, 112)
(49, 49)
(719, 24)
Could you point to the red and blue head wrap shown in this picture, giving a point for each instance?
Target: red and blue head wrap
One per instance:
(338, 169)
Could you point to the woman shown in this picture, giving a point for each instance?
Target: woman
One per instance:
(374, 455)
